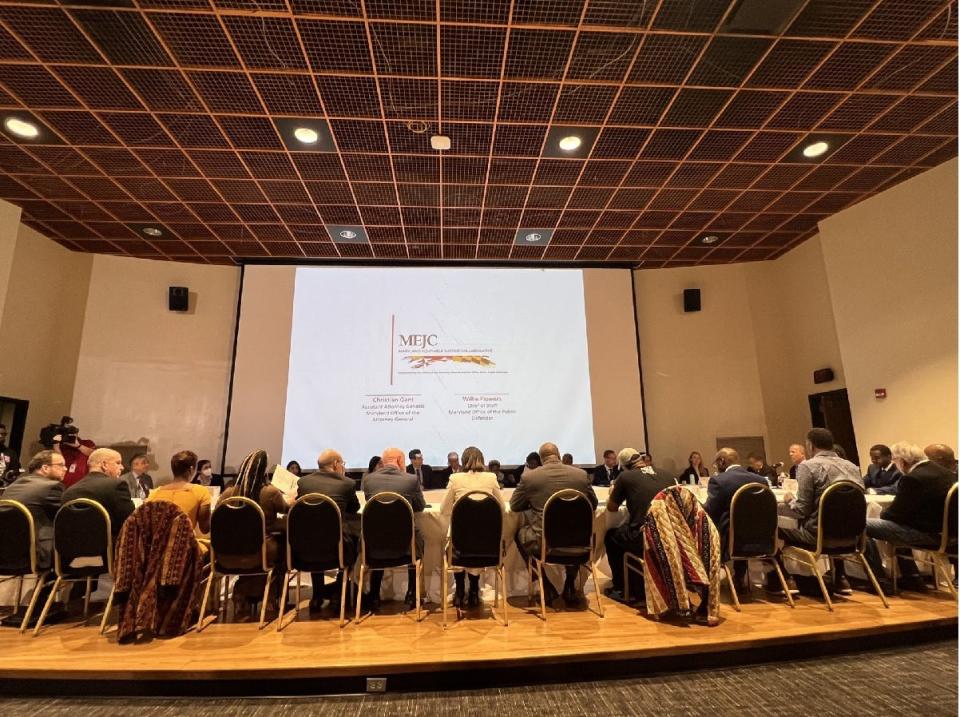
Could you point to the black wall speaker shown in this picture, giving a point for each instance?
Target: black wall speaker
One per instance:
(691, 300)
(823, 375)
(179, 298)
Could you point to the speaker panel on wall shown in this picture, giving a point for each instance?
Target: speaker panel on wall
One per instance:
(691, 300)
(178, 298)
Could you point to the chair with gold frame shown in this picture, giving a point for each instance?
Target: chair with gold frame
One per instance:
(940, 556)
(18, 553)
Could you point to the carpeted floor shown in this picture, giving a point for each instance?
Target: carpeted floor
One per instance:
(915, 681)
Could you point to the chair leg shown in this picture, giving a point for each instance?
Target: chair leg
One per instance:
(503, 597)
(266, 598)
(359, 595)
(783, 582)
(46, 606)
(444, 585)
(823, 587)
(873, 578)
(16, 605)
(418, 575)
(33, 603)
(296, 612)
(596, 586)
(728, 569)
(529, 584)
(344, 583)
(543, 600)
(626, 578)
(206, 597)
(284, 591)
(86, 600)
(106, 611)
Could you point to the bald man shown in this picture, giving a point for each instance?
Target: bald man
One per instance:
(798, 454)
(330, 479)
(102, 484)
(393, 477)
(942, 455)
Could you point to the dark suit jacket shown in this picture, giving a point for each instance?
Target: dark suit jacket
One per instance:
(600, 474)
(131, 480)
(885, 481)
(340, 489)
(920, 497)
(43, 497)
(391, 479)
(430, 479)
(441, 477)
(720, 492)
(535, 489)
(111, 493)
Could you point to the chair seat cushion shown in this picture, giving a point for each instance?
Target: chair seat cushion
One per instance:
(568, 556)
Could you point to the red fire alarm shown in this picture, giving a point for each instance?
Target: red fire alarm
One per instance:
(879, 393)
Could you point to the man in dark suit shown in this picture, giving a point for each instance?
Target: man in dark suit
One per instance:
(638, 488)
(531, 496)
(442, 476)
(330, 479)
(943, 455)
(915, 517)
(393, 478)
(138, 481)
(731, 476)
(607, 472)
(41, 491)
(882, 476)
(102, 484)
(424, 473)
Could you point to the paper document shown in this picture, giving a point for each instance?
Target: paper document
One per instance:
(285, 481)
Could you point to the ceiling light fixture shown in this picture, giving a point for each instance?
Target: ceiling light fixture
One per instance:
(347, 234)
(533, 237)
(439, 141)
(306, 135)
(19, 127)
(710, 239)
(569, 144)
(815, 149)
(152, 231)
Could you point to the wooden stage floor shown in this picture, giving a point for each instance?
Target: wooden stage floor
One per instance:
(314, 648)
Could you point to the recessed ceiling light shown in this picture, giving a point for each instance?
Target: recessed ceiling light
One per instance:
(533, 237)
(815, 149)
(152, 231)
(19, 127)
(347, 234)
(306, 135)
(568, 144)
(439, 141)
(710, 239)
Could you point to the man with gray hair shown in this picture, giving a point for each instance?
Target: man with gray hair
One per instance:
(915, 517)
(138, 481)
(103, 485)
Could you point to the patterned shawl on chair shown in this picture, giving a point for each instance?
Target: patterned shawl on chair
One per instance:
(681, 552)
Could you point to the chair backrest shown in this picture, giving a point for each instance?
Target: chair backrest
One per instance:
(842, 518)
(567, 522)
(476, 527)
(18, 546)
(949, 533)
(386, 527)
(82, 539)
(753, 521)
(314, 534)
(238, 528)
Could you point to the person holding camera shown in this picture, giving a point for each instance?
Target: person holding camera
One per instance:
(75, 450)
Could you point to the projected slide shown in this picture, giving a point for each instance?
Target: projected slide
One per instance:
(437, 359)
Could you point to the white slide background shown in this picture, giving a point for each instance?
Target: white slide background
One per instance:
(354, 385)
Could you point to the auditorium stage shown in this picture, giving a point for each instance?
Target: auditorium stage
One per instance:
(314, 655)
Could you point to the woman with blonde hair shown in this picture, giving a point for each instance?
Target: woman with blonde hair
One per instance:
(695, 470)
(473, 477)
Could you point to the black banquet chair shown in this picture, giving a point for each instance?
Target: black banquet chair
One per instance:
(568, 539)
(315, 545)
(476, 542)
(83, 550)
(388, 540)
(18, 553)
(238, 546)
(941, 554)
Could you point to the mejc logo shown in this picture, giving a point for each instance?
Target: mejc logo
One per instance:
(418, 340)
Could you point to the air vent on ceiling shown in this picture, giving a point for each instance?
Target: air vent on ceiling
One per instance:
(763, 17)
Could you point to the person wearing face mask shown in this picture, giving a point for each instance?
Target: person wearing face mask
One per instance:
(205, 475)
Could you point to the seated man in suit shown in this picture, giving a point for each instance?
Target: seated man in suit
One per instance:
(391, 477)
(942, 455)
(138, 481)
(915, 517)
(757, 464)
(442, 477)
(531, 495)
(607, 472)
(330, 479)
(882, 476)
(730, 477)
(102, 484)
(638, 488)
(798, 454)
(814, 475)
(418, 468)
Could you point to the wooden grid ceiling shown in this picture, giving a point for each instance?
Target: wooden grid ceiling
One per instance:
(168, 114)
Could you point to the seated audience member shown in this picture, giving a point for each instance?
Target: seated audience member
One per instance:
(532, 461)
(374, 464)
(40, 489)
(536, 487)
(694, 471)
(882, 476)
(646, 465)
(205, 475)
(294, 467)
(494, 467)
(252, 483)
(798, 454)
(138, 481)
(942, 455)
(915, 517)
(840, 451)
(418, 468)
(77, 455)
(474, 476)
(330, 479)
(637, 489)
(730, 477)
(192, 499)
(392, 477)
(9, 458)
(453, 466)
(102, 484)
(814, 475)
(607, 472)
(757, 464)
(567, 459)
